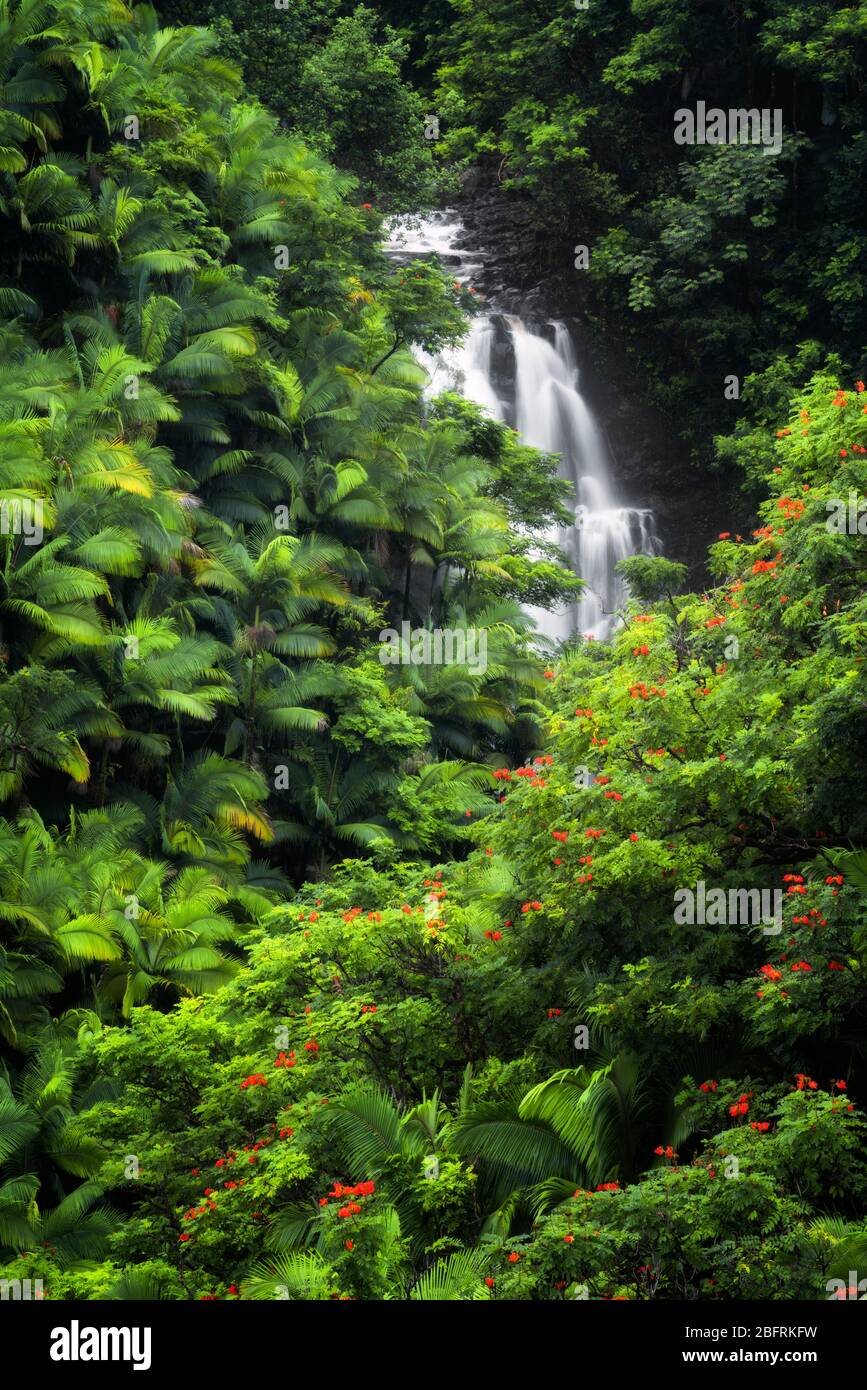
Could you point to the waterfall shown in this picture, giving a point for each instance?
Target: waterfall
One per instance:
(535, 388)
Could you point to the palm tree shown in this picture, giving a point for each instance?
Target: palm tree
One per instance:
(88, 903)
(327, 790)
(208, 802)
(45, 719)
(168, 931)
(533, 1148)
(44, 1141)
(384, 1142)
(581, 1128)
(277, 584)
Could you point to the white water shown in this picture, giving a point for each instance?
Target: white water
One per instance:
(544, 403)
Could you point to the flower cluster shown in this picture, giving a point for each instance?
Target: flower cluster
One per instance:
(639, 691)
(340, 1191)
(791, 507)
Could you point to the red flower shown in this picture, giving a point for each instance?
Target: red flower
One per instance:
(513, 1258)
(771, 973)
(489, 1281)
(348, 1244)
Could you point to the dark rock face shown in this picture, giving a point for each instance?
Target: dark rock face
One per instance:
(651, 465)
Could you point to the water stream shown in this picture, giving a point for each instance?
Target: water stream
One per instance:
(527, 375)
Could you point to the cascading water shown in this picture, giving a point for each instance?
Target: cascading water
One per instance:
(541, 399)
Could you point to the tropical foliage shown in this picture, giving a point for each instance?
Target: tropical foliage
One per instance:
(705, 261)
(325, 978)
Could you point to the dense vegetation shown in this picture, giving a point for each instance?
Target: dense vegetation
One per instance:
(708, 260)
(323, 978)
